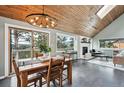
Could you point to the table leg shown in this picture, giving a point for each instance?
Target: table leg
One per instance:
(24, 79)
(69, 73)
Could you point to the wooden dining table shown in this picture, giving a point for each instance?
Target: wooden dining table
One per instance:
(27, 70)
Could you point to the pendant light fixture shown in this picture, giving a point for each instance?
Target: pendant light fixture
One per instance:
(42, 20)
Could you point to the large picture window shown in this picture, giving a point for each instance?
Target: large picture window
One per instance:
(65, 42)
(24, 44)
(112, 43)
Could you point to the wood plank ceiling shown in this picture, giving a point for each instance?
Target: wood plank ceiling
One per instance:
(77, 19)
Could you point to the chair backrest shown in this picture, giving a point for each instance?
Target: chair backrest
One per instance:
(16, 70)
(67, 57)
(55, 69)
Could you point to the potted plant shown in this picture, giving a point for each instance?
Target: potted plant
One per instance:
(44, 48)
(42, 43)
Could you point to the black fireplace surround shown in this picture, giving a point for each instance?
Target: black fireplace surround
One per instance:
(84, 50)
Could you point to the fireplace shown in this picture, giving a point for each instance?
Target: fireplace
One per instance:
(84, 50)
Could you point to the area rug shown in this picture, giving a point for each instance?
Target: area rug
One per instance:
(103, 62)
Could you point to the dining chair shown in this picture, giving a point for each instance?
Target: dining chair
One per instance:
(54, 72)
(67, 58)
(31, 79)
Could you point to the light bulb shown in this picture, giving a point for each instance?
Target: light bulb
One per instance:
(52, 25)
(47, 26)
(31, 20)
(41, 26)
(47, 18)
(36, 18)
(53, 22)
(34, 23)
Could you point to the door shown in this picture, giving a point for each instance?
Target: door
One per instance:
(20, 46)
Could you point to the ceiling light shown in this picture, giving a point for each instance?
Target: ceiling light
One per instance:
(47, 26)
(31, 20)
(47, 19)
(41, 20)
(41, 26)
(53, 22)
(34, 23)
(36, 18)
(105, 10)
(52, 25)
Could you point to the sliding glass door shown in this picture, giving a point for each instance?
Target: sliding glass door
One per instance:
(21, 44)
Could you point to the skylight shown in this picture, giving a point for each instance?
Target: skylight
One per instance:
(104, 11)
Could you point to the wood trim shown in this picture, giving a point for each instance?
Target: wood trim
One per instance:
(9, 52)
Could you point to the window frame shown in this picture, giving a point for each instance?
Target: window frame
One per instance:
(61, 34)
(119, 39)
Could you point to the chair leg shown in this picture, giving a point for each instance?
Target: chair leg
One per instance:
(18, 83)
(48, 83)
(60, 81)
(40, 82)
(35, 84)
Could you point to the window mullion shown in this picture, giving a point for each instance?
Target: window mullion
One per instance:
(32, 45)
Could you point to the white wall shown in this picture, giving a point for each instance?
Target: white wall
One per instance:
(114, 30)
(53, 32)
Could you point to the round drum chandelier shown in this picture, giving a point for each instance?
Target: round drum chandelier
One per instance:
(41, 20)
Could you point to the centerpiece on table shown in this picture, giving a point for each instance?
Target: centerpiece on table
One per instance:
(44, 50)
(43, 46)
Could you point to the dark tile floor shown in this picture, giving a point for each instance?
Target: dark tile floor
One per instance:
(86, 75)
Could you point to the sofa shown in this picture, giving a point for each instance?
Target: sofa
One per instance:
(119, 58)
